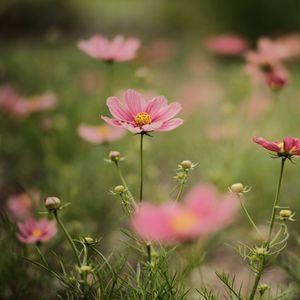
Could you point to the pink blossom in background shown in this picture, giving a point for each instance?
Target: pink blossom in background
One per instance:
(227, 44)
(100, 134)
(119, 49)
(33, 231)
(276, 82)
(266, 61)
(18, 106)
(20, 206)
(140, 116)
(202, 212)
(288, 147)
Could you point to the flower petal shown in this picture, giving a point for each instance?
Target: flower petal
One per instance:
(112, 122)
(170, 125)
(135, 102)
(117, 110)
(168, 112)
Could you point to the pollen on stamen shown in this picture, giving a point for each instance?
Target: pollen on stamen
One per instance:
(142, 118)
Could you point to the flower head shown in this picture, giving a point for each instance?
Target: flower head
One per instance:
(20, 206)
(276, 82)
(287, 148)
(140, 116)
(119, 49)
(201, 213)
(100, 134)
(36, 231)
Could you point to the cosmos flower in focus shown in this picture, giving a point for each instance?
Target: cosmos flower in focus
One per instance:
(119, 49)
(140, 116)
(33, 231)
(202, 212)
(287, 148)
(100, 134)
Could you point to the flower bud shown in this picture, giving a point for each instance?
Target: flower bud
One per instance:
(52, 203)
(237, 188)
(263, 288)
(88, 240)
(285, 213)
(261, 251)
(114, 155)
(84, 269)
(119, 189)
(186, 164)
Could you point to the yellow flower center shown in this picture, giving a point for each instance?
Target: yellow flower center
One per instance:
(281, 147)
(184, 221)
(142, 118)
(37, 233)
(103, 130)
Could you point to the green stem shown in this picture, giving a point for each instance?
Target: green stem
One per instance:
(148, 246)
(142, 170)
(276, 201)
(124, 183)
(38, 247)
(248, 215)
(272, 220)
(69, 238)
(180, 191)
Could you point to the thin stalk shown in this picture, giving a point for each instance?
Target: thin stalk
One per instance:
(142, 170)
(248, 215)
(275, 206)
(124, 182)
(180, 191)
(148, 246)
(38, 247)
(69, 238)
(276, 201)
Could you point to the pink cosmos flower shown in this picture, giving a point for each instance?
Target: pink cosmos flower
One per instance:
(17, 106)
(202, 212)
(119, 49)
(287, 148)
(36, 231)
(100, 134)
(265, 61)
(276, 82)
(227, 44)
(140, 116)
(19, 206)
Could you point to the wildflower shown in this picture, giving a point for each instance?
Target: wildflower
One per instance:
(200, 213)
(36, 231)
(227, 44)
(287, 148)
(276, 82)
(52, 203)
(88, 240)
(119, 49)
(100, 134)
(238, 188)
(20, 206)
(186, 164)
(140, 116)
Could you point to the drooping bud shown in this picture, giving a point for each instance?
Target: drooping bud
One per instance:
(52, 203)
(119, 189)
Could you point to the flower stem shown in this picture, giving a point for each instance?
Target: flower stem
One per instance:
(124, 183)
(38, 247)
(276, 201)
(148, 246)
(70, 240)
(142, 170)
(110, 76)
(275, 206)
(248, 215)
(180, 191)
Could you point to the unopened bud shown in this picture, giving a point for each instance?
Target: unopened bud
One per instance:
(119, 189)
(52, 203)
(88, 240)
(237, 188)
(114, 155)
(186, 164)
(261, 251)
(84, 269)
(285, 213)
(263, 288)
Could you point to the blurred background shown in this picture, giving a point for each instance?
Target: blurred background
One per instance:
(41, 154)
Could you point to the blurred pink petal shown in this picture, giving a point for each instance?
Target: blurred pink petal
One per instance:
(100, 134)
(20, 206)
(119, 49)
(227, 44)
(138, 115)
(36, 231)
(202, 212)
